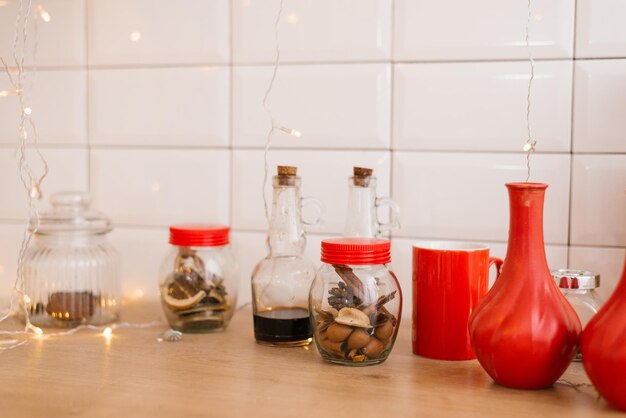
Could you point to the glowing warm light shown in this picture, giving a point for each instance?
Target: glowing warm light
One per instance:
(38, 331)
(138, 294)
(45, 16)
(108, 332)
(1, 269)
(4, 2)
(5, 93)
(292, 18)
(28, 110)
(156, 187)
(289, 131)
(135, 36)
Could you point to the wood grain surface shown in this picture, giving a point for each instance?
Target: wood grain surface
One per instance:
(228, 375)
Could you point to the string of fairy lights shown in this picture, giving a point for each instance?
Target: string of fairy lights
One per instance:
(32, 182)
(273, 124)
(529, 147)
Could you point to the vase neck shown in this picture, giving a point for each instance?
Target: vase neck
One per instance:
(526, 223)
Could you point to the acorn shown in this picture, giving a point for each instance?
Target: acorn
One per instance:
(373, 348)
(332, 347)
(338, 332)
(384, 331)
(359, 338)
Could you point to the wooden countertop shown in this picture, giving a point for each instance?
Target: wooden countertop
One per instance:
(227, 374)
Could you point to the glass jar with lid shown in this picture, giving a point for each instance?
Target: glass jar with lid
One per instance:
(355, 302)
(71, 271)
(199, 278)
(579, 287)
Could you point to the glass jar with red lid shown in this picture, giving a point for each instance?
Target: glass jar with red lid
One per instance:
(355, 302)
(199, 278)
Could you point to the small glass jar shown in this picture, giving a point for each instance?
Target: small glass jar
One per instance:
(355, 302)
(71, 272)
(579, 287)
(199, 279)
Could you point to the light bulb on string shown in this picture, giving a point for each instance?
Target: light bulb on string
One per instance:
(43, 13)
(529, 147)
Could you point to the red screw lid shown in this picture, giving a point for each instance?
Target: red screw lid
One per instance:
(356, 251)
(199, 235)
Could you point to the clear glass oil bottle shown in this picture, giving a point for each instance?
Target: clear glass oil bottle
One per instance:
(281, 281)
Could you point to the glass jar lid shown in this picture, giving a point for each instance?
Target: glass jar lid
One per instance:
(70, 213)
(356, 251)
(576, 279)
(199, 235)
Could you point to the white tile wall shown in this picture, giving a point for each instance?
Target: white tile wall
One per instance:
(333, 106)
(600, 29)
(159, 106)
(156, 107)
(59, 108)
(441, 107)
(599, 102)
(451, 30)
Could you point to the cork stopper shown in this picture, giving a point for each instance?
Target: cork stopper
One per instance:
(362, 176)
(285, 170)
(287, 175)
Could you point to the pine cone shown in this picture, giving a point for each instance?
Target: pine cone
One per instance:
(341, 297)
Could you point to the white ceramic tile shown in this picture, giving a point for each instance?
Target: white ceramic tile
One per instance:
(608, 262)
(481, 106)
(462, 196)
(333, 106)
(67, 172)
(599, 102)
(164, 106)
(158, 31)
(249, 248)
(324, 175)
(141, 252)
(58, 102)
(10, 240)
(161, 187)
(402, 262)
(61, 40)
(598, 200)
(481, 29)
(323, 30)
(600, 29)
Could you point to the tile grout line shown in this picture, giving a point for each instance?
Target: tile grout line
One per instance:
(392, 70)
(231, 151)
(87, 98)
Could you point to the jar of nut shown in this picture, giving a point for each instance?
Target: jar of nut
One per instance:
(355, 302)
(199, 279)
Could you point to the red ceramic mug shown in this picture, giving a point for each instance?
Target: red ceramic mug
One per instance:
(449, 279)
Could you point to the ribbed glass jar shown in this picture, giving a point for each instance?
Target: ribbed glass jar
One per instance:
(71, 271)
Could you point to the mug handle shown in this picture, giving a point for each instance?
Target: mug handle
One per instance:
(394, 222)
(498, 262)
(315, 202)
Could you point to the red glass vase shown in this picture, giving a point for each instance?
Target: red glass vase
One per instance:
(524, 332)
(604, 347)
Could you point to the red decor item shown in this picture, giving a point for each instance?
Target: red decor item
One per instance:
(449, 279)
(356, 251)
(604, 347)
(524, 331)
(199, 235)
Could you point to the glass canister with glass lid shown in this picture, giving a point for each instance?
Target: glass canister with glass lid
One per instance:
(355, 302)
(199, 278)
(579, 288)
(71, 272)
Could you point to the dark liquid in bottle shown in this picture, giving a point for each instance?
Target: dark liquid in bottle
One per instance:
(283, 326)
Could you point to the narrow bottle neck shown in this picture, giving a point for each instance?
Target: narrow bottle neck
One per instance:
(526, 225)
(361, 219)
(286, 235)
